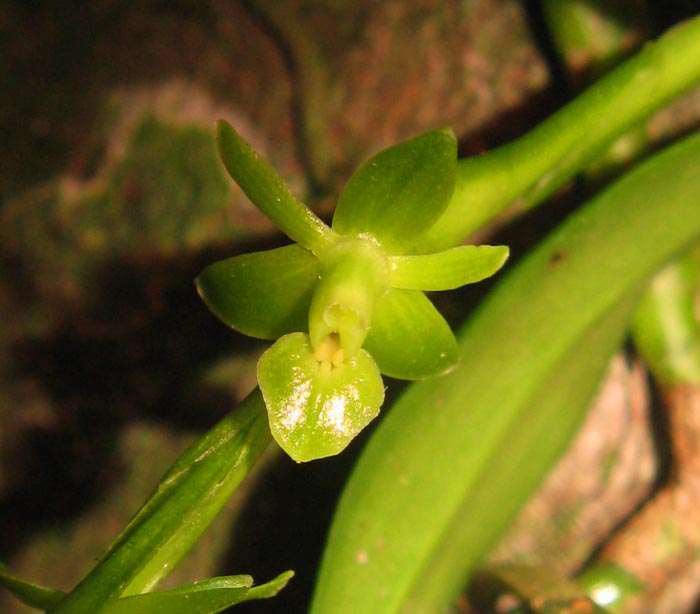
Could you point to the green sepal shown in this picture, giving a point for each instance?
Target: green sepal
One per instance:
(447, 270)
(316, 412)
(263, 294)
(409, 339)
(205, 597)
(397, 195)
(34, 595)
(269, 193)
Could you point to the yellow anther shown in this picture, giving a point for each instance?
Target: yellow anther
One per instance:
(338, 357)
(329, 353)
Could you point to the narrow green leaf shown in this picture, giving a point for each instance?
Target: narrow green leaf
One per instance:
(317, 402)
(398, 194)
(188, 498)
(467, 449)
(34, 595)
(269, 193)
(409, 339)
(447, 270)
(534, 439)
(205, 597)
(263, 294)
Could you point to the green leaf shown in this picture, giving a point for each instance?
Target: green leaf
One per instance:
(187, 499)
(205, 597)
(263, 294)
(316, 407)
(409, 339)
(468, 449)
(269, 193)
(34, 595)
(447, 270)
(399, 193)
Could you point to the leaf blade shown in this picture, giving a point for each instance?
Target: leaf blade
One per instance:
(31, 593)
(205, 597)
(527, 327)
(187, 499)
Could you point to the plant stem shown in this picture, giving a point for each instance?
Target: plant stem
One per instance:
(593, 37)
(665, 327)
(523, 173)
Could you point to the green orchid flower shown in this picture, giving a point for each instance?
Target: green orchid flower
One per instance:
(345, 303)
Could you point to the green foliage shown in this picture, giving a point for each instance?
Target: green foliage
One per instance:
(31, 593)
(468, 449)
(205, 597)
(665, 328)
(531, 168)
(187, 499)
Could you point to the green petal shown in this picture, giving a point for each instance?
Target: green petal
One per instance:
(446, 270)
(409, 339)
(315, 411)
(263, 294)
(269, 193)
(397, 195)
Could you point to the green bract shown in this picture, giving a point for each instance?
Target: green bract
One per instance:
(347, 302)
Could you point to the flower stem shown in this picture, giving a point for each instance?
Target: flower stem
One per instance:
(531, 168)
